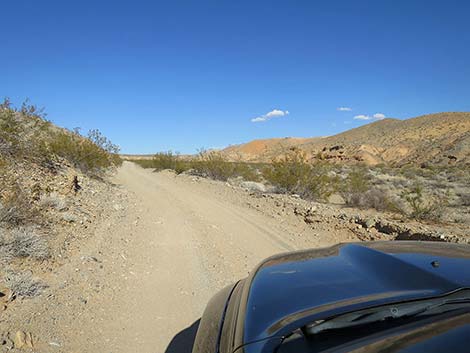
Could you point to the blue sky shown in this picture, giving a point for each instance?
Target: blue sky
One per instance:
(181, 75)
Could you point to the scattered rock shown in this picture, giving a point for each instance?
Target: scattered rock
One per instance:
(20, 339)
(336, 199)
(69, 217)
(5, 341)
(369, 223)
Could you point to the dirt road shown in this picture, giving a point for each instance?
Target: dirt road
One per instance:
(190, 244)
(184, 242)
(140, 283)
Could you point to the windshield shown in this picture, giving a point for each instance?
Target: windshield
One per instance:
(323, 334)
(391, 312)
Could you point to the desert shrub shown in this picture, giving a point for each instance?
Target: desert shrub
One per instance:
(374, 198)
(144, 163)
(421, 205)
(26, 133)
(166, 160)
(22, 131)
(52, 200)
(354, 187)
(23, 243)
(465, 199)
(10, 129)
(289, 171)
(90, 154)
(15, 206)
(214, 165)
(247, 171)
(294, 174)
(411, 171)
(23, 284)
(207, 164)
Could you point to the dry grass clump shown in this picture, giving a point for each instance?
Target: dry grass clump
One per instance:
(23, 284)
(15, 206)
(23, 243)
(465, 199)
(53, 200)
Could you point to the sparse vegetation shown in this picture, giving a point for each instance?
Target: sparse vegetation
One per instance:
(31, 148)
(26, 133)
(418, 193)
(210, 164)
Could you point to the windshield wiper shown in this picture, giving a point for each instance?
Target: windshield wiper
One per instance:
(390, 312)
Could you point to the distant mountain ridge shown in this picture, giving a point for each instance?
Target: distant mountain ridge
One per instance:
(442, 138)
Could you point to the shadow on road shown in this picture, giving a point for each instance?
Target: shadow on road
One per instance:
(183, 341)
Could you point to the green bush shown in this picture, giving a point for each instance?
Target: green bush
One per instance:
(89, 154)
(25, 133)
(10, 130)
(354, 187)
(423, 206)
(293, 173)
(214, 165)
(167, 160)
(209, 164)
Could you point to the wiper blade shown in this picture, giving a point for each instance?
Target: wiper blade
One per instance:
(389, 312)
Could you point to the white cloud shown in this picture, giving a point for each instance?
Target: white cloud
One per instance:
(275, 113)
(362, 117)
(344, 109)
(376, 116)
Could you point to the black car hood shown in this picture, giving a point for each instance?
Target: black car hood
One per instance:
(288, 291)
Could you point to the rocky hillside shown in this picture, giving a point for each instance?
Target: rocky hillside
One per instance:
(52, 194)
(442, 138)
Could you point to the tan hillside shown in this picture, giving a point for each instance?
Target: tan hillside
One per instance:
(442, 138)
(262, 150)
